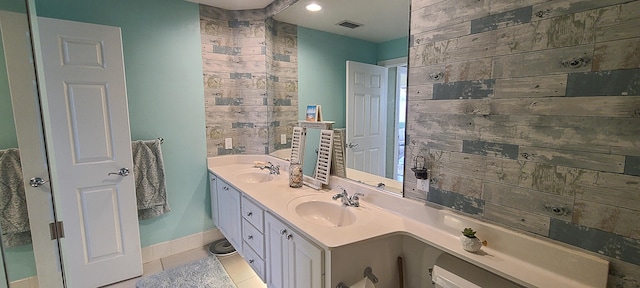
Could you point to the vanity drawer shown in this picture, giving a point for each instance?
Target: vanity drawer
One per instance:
(255, 261)
(253, 213)
(252, 237)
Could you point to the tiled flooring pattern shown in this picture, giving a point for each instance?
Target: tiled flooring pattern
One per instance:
(238, 269)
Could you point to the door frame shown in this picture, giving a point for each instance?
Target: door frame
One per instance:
(396, 62)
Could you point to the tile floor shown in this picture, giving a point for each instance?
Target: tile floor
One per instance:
(238, 269)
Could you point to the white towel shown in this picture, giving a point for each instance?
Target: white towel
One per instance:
(148, 169)
(14, 218)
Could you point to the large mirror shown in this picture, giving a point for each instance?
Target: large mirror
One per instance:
(17, 248)
(324, 48)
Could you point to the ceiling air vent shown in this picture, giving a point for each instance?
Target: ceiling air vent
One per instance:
(349, 24)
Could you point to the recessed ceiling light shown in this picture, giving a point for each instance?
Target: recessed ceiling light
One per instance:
(314, 7)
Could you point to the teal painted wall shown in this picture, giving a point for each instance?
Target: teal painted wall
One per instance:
(13, 5)
(163, 64)
(396, 48)
(322, 76)
(322, 68)
(8, 137)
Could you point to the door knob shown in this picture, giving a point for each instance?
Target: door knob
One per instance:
(37, 182)
(122, 172)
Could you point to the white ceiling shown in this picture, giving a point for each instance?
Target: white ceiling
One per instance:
(382, 20)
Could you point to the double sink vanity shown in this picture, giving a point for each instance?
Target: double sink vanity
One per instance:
(301, 237)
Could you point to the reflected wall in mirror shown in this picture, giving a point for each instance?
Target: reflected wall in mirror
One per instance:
(322, 77)
(16, 237)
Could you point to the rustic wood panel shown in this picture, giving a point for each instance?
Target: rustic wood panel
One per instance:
(595, 240)
(632, 165)
(467, 186)
(528, 200)
(558, 8)
(501, 20)
(497, 6)
(426, 75)
(566, 30)
(586, 160)
(626, 107)
(564, 181)
(420, 92)
(446, 13)
(629, 198)
(472, 106)
(418, 4)
(531, 87)
(429, 54)
(621, 54)
(542, 62)
(473, 46)
(565, 96)
(499, 150)
(437, 141)
(617, 181)
(477, 89)
(477, 69)
(608, 218)
(618, 30)
(456, 201)
(516, 39)
(605, 83)
(517, 218)
(448, 32)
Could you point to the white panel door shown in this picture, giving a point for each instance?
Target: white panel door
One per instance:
(88, 139)
(366, 117)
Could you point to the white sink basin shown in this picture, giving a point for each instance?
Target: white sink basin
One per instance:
(326, 213)
(255, 177)
(323, 211)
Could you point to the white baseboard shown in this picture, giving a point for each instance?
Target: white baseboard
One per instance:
(176, 246)
(29, 282)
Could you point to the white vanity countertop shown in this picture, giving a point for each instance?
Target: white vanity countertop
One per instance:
(523, 259)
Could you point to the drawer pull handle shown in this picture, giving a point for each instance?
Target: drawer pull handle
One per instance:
(283, 231)
(250, 237)
(289, 237)
(249, 214)
(225, 188)
(251, 261)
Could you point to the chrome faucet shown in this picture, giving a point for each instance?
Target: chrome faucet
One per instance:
(273, 169)
(348, 200)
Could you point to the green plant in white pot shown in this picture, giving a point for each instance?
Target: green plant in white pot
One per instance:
(469, 240)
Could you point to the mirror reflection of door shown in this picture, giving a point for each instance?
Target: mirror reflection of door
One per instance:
(25, 211)
(366, 117)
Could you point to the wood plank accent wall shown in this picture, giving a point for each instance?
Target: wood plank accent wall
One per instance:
(251, 79)
(529, 114)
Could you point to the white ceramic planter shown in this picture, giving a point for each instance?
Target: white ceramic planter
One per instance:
(470, 244)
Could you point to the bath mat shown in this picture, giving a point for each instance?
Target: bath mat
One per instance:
(205, 273)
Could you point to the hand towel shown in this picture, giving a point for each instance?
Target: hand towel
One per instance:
(14, 218)
(148, 169)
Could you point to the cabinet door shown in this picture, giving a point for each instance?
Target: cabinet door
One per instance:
(229, 216)
(305, 260)
(276, 252)
(213, 191)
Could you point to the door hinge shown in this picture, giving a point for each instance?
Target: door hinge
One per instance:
(57, 230)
